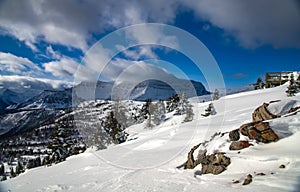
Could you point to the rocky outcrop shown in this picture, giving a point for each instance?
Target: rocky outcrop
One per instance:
(213, 163)
(259, 131)
(262, 113)
(191, 163)
(256, 130)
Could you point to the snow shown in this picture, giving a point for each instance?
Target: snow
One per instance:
(282, 107)
(148, 160)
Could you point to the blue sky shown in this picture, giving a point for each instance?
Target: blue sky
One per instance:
(49, 39)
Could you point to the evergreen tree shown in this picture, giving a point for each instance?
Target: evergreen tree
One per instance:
(12, 172)
(19, 168)
(158, 112)
(101, 139)
(298, 83)
(189, 115)
(145, 111)
(216, 95)
(120, 113)
(2, 170)
(292, 88)
(210, 110)
(113, 128)
(259, 84)
(151, 110)
(172, 103)
(182, 105)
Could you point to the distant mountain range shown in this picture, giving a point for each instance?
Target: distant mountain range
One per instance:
(28, 103)
(36, 94)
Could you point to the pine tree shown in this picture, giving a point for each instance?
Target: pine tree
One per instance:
(150, 114)
(113, 128)
(298, 83)
(189, 115)
(259, 84)
(182, 105)
(172, 103)
(2, 170)
(216, 95)
(12, 172)
(120, 113)
(158, 112)
(210, 110)
(101, 139)
(19, 168)
(292, 88)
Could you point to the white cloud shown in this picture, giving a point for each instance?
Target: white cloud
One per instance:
(151, 35)
(71, 23)
(138, 71)
(138, 53)
(52, 54)
(254, 23)
(12, 64)
(65, 67)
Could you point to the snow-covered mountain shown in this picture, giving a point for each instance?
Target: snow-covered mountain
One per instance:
(85, 91)
(157, 90)
(149, 89)
(17, 89)
(148, 160)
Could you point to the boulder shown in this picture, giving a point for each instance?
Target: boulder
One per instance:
(213, 169)
(215, 164)
(262, 113)
(268, 136)
(245, 128)
(234, 135)
(238, 145)
(259, 131)
(261, 126)
(248, 180)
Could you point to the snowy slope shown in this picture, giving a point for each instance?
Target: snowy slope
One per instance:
(148, 161)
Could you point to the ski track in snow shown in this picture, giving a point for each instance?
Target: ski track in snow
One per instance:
(148, 161)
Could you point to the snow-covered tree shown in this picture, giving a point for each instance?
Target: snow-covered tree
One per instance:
(101, 139)
(172, 103)
(151, 110)
(298, 82)
(120, 112)
(292, 88)
(145, 111)
(210, 110)
(158, 112)
(216, 95)
(189, 114)
(182, 105)
(113, 128)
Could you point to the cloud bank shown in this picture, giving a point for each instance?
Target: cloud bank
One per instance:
(73, 23)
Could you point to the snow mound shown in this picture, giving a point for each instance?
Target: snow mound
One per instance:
(283, 107)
